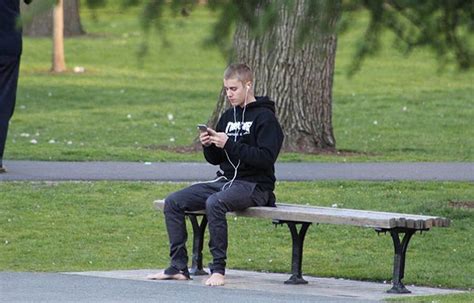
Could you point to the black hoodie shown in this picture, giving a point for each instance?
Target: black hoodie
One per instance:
(255, 140)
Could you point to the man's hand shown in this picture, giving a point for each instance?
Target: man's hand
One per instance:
(205, 138)
(219, 139)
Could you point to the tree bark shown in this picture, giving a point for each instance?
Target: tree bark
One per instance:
(42, 24)
(59, 64)
(298, 79)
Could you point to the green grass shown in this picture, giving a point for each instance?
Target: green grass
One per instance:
(455, 298)
(80, 226)
(119, 108)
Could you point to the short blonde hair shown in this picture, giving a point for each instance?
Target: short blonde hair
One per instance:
(239, 71)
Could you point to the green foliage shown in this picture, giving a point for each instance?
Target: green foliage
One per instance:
(80, 226)
(444, 26)
(96, 3)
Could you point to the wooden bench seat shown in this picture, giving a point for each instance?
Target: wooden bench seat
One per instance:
(293, 215)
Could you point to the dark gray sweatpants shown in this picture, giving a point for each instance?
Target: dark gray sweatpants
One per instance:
(217, 203)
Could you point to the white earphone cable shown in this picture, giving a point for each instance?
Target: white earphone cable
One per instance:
(236, 167)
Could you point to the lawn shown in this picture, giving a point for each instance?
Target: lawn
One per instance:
(126, 108)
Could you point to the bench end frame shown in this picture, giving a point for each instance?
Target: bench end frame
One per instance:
(198, 244)
(297, 251)
(400, 249)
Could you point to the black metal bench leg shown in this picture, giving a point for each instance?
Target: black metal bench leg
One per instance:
(399, 260)
(198, 241)
(297, 254)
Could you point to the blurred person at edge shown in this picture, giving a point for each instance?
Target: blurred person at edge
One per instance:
(10, 53)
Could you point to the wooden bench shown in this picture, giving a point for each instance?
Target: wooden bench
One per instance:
(293, 215)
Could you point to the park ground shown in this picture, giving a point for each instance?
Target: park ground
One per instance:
(124, 108)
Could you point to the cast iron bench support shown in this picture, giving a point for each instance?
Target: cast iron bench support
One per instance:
(297, 251)
(400, 250)
(198, 241)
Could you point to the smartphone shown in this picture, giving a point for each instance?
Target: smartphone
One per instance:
(202, 127)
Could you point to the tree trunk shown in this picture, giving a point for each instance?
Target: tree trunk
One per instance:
(298, 78)
(59, 65)
(42, 25)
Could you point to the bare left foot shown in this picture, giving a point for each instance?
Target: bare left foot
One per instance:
(163, 276)
(215, 279)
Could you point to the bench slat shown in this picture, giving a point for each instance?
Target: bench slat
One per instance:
(316, 214)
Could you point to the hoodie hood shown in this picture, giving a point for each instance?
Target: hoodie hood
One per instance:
(262, 101)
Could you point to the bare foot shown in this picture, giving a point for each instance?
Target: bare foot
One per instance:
(215, 279)
(163, 276)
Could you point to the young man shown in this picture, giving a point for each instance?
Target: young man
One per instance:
(10, 52)
(245, 144)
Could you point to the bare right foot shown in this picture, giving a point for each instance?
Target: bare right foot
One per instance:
(163, 276)
(216, 279)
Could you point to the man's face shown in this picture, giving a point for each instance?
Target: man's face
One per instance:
(235, 91)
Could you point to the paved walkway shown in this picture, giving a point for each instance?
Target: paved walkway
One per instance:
(42, 170)
(241, 286)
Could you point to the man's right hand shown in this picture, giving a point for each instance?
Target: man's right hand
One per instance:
(205, 138)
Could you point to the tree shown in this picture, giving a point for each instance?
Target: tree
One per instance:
(59, 64)
(298, 77)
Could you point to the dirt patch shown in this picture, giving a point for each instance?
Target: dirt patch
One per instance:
(327, 152)
(461, 204)
(177, 149)
(331, 152)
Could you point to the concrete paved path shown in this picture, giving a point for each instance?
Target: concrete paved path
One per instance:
(241, 286)
(42, 170)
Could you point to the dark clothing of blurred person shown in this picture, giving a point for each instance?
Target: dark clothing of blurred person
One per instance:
(10, 53)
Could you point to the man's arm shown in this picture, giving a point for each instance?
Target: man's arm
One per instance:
(213, 154)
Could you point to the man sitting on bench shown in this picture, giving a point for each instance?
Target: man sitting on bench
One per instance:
(245, 144)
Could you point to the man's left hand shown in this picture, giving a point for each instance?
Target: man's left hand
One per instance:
(219, 139)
